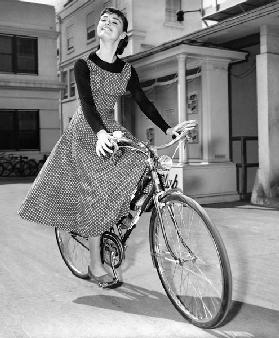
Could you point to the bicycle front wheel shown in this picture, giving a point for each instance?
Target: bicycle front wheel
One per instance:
(191, 261)
(74, 250)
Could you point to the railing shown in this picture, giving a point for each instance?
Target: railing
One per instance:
(241, 180)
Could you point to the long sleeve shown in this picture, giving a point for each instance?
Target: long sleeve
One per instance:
(145, 105)
(82, 78)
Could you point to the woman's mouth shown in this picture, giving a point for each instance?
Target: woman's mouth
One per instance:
(106, 28)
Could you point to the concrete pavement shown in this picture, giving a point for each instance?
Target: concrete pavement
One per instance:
(41, 298)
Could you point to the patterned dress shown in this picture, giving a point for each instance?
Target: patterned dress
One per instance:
(77, 190)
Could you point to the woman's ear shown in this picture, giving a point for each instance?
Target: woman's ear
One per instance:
(122, 36)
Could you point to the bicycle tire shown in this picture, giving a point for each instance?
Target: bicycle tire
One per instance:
(21, 168)
(205, 307)
(74, 250)
(8, 168)
(33, 167)
(1, 169)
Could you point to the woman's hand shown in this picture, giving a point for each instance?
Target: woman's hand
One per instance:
(103, 143)
(172, 132)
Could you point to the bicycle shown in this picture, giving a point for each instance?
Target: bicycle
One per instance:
(186, 248)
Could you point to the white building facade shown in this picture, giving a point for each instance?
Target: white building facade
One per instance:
(29, 86)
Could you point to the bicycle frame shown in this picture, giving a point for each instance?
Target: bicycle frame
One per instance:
(157, 193)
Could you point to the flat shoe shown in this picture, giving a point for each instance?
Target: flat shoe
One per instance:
(101, 280)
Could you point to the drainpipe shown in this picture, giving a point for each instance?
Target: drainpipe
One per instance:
(60, 59)
(182, 113)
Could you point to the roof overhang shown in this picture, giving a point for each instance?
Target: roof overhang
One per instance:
(195, 55)
(246, 24)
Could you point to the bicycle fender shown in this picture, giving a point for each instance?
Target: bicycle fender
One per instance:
(169, 192)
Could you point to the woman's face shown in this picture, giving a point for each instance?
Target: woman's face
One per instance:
(110, 27)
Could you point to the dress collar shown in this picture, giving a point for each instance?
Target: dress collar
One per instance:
(114, 67)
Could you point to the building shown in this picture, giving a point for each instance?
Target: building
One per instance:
(29, 86)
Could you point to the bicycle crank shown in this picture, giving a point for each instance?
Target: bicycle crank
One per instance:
(112, 251)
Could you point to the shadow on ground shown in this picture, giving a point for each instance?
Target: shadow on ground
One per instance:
(243, 321)
(134, 299)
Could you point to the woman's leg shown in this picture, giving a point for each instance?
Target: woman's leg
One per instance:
(96, 266)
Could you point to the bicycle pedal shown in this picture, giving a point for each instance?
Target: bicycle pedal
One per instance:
(115, 283)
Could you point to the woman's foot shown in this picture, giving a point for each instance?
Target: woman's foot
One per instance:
(103, 280)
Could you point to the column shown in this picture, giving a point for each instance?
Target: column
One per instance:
(266, 187)
(182, 109)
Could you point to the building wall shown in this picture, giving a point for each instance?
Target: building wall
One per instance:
(33, 91)
(155, 25)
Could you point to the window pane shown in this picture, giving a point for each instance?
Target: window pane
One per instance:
(6, 54)
(27, 120)
(70, 37)
(5, 44)
(172, 7)
(28, 133)
(90, 19)
(26, 52)
(6, 64)
(7, 132)
(72, 83)
(64, 80)
(108, 3)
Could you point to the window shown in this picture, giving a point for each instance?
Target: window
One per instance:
(90, 26)
(72, 82)
(68, 80)
(124, 10)
(70, 37)
(19, 130)
(172, 7)
(18, 54)
(108, 3)
(64, 80)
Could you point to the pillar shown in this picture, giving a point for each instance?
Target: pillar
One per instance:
(266, 187)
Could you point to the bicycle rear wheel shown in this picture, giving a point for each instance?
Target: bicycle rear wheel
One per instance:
(191, 261)
(74, 250)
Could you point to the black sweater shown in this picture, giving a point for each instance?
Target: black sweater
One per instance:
(82, 77)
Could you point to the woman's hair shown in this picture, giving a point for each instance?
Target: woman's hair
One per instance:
(123, 42)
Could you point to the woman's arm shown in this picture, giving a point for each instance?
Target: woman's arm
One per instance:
(82, 78)
(145, 105)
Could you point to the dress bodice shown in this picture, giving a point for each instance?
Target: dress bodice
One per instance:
(107, 86)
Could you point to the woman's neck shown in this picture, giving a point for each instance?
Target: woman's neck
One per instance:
(106, 52)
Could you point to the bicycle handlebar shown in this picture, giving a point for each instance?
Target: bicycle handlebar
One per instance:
(182, 130)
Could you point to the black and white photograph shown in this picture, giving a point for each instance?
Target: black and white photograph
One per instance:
(139, 171)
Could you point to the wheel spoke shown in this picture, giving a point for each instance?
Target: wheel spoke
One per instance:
(75, 252)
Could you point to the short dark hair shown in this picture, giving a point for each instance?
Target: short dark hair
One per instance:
(123, 42)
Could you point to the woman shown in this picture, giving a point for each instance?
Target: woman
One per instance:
(79, 189)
